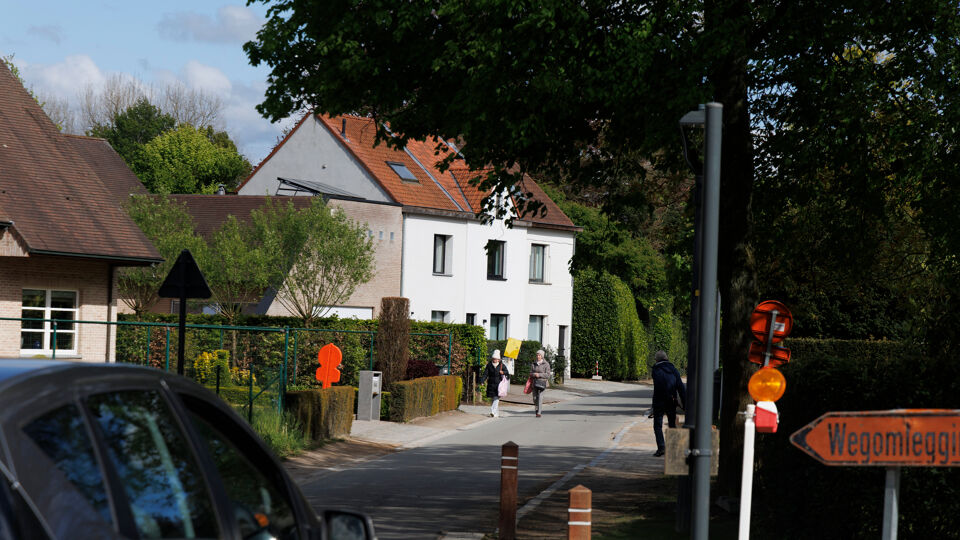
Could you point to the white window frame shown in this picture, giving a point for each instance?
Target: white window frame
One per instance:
(540, 320)
(46, 312)
(442, 254)
(506, 325)
(542, 263)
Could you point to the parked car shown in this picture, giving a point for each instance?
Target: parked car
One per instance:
(114, 451)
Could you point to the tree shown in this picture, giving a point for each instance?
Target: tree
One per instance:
(236, 267)
(101, 106)
(318, 257)
(185, 160)
(132, 128)
(168, 225)
(556, 86)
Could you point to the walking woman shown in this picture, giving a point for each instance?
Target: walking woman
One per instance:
(493, 374)
(540, 373)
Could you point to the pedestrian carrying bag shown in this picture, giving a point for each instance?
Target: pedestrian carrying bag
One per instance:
(527, 388)
(504, 387)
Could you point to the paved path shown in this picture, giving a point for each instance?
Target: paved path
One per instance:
(444, 481)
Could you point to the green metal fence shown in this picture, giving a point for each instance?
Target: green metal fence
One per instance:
(263, 361)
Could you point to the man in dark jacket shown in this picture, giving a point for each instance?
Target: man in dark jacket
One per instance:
(668, 392)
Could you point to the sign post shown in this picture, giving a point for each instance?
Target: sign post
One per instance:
(892, 439)
(185, 280)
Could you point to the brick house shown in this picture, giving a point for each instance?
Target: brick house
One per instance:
(513, 281)
(62, 235)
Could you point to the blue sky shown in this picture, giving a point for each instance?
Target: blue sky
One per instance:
(62, 47)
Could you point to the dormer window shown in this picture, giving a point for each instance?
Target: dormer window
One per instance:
(402, 171)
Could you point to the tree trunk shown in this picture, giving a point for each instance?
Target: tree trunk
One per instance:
(736, 271)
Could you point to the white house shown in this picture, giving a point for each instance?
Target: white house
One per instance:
(515, 282)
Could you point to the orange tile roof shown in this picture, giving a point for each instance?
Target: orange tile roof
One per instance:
(448, 191)
(57, 201)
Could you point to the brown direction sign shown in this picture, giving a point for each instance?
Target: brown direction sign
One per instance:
(901, 437)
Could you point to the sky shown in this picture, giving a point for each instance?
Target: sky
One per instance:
(64, 46)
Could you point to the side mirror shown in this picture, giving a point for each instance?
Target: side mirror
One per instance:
(346, 525)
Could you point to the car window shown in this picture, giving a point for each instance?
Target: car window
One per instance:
(163, 484)
(62, 436)
(251, 483)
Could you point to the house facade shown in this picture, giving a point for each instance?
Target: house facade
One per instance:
(62, 237)
(513, 281)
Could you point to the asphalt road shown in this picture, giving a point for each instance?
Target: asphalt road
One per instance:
(452, 483)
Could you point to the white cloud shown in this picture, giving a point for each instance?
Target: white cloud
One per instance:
(66, 78)
(206, 78)
(233, 24)
(48, 32)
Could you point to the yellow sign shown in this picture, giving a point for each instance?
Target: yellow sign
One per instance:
(512, 349)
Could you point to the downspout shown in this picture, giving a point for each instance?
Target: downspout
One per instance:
(111, 270)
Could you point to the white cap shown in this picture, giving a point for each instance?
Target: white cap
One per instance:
(496, 354)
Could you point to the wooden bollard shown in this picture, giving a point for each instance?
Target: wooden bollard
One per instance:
(578, 517)
(509, 460)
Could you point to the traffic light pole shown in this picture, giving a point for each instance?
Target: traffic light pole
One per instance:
(700, 453)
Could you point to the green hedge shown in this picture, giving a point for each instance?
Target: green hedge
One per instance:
(426, 396)
(606, 328)
(797, 497)
(666, 334)
(325, 413)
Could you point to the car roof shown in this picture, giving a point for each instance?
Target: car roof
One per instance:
(17, 372)
(11, 368)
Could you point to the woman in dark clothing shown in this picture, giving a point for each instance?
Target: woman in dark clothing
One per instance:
(492, 375)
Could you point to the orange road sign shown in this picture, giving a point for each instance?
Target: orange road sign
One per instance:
(778, 355)
(901, 437)
(760, 321)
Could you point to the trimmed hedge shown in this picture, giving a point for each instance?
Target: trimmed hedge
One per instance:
(424, 397)
(606, 328)
(325, 413)
(796, 497)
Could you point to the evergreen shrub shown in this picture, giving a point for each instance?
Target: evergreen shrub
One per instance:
(606, 328)
(325, 413)
(424, 397)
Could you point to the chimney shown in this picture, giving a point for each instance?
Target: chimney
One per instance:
(343, 128)
(221, 189)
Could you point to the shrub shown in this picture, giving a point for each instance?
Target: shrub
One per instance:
(393, 338)
(843, 375)
(606, 329)
(324, 413)
(280, 431)
(421, 368)
(206, 366)
(424, 397)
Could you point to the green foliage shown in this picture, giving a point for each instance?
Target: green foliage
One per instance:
(606, 328)
(317, 257)
(235, 266)
(667, 333)
(168, 225)
(324, 413)
(842, 375)
(424, 397)
(281, 431)
(207, 364)
(185, 160)
(131, 129)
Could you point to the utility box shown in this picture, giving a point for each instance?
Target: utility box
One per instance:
(368, 395)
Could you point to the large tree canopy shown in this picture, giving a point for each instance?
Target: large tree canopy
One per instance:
(853, 94)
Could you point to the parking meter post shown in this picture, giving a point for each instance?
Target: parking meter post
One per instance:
(509, 460)
(578, 514)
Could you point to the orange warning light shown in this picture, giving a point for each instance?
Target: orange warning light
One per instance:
(767, 384)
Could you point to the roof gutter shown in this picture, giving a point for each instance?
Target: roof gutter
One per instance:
(135, 261)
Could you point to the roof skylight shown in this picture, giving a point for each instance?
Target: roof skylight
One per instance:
(402, 171)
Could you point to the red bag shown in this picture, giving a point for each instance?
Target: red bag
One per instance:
(527, 388)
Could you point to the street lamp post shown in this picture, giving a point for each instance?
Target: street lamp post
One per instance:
(706, 346)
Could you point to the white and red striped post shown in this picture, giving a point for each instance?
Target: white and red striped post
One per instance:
(578, 515)
(597, 377)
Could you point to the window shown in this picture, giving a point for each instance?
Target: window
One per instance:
(162, 482)
(62, 437)
(402, 171)
(535, 328)
(471, 318)
(442, 254)
(498, 326)
(495, 250)
(36, 337)
(439, 316)
(537, 253)
(252, 484)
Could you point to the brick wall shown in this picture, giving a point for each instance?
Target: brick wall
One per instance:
(87, 277)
